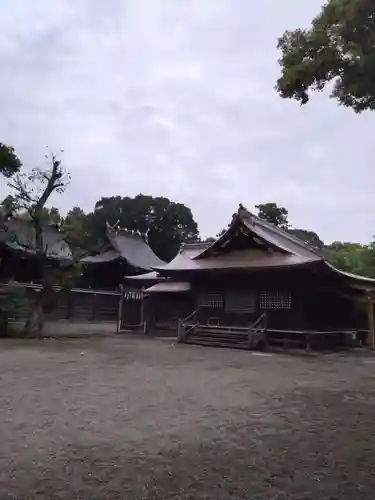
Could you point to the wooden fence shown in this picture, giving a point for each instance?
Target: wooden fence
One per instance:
(78, 304)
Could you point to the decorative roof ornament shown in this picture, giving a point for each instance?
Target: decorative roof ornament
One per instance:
(145, 236)
(244, 214)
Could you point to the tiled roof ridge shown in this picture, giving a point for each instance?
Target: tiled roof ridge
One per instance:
(116, 230)
(199, 244)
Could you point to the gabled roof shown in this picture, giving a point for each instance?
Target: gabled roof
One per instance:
(268, 234)
(272, 248)
(127, 246)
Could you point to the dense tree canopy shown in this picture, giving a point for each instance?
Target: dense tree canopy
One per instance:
(352, 257)
(166, 224)
(273, 214)
(9, 162)
(75, 228)
(50, 215)
(338, 47)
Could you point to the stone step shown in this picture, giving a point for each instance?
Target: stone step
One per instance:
(216, 343)
(287, 341)
(218, 339)
(219, 335)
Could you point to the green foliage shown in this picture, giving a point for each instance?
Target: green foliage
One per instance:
(50, 215)
(9, 162)
(352, 257)
(273, 214)
(339, 47)
(74, 227)
(13, 304)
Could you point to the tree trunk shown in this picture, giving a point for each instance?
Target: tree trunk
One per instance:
(35, 322)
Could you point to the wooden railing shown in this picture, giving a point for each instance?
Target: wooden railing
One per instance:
(257, 331)
(187, 326)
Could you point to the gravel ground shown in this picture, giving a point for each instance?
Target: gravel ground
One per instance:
(113, 418)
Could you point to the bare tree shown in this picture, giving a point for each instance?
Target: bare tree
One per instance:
(32, 191)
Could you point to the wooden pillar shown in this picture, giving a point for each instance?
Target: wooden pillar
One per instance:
(69, 305)
(180, 331)
(119, 310)
(371, 325)
(142, 313)
(150, 315)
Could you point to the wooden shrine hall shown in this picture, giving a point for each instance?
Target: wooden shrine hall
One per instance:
(123, 253)
(256, 285)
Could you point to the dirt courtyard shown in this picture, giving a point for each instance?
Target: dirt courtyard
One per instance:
(125, 418)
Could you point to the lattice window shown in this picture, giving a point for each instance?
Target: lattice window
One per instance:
(211, 300)
(240, 302)
(275, 300)
(130, 294)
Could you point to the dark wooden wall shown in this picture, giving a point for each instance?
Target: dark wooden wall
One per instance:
(317, 302)
(162, 311)
(131, 317)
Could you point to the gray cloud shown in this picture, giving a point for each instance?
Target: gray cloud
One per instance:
(177, 99)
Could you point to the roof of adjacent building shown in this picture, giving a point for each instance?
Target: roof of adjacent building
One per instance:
(17, 233)
(170, 286)
(240, 259)
(151, 276)
(187, 252)
(128, 246)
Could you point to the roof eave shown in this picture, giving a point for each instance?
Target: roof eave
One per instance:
(170, 272)
(355, 278)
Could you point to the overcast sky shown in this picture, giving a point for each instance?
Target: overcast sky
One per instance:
(176, 98)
